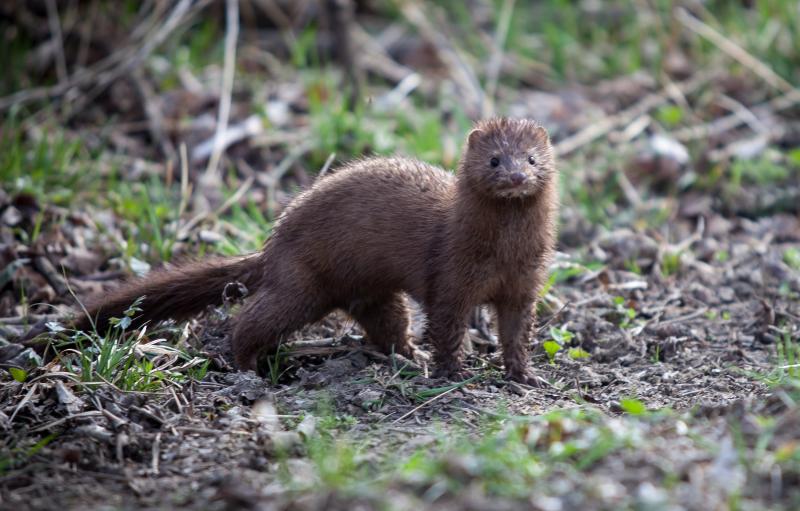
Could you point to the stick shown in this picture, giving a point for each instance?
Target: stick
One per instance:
(152, 109)
(426, 403)
(233, 199)
(55, 30)
(496, 61)
(231, 36)
(326, 166)
(623, 118)
(460, 71)
(733, 50)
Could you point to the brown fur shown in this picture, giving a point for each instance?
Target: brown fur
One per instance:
(381, 227)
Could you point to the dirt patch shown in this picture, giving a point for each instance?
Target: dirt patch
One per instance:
(697, 339)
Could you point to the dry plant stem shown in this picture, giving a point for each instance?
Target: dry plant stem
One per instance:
(86, 36)
(231, 36)
(423, 405)
(186, 229)
(623, 118)
(275, 13)
(461, 72)
(272, 179)
(186, 188)
(54, 22)
(340, 26)
(327, 165)
(496, 61)
(375, 59)
(734, 120)
(155, 121)
(735, 51)
(747, 116)
(106, 71)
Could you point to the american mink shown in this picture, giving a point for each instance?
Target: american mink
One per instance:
(377, 229)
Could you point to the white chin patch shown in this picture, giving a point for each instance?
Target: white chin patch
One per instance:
(512, 193)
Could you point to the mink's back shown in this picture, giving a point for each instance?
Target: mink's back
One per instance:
(370, 228)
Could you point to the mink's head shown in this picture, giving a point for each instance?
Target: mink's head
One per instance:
(508, 158)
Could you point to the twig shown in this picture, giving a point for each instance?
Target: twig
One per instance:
(155, 121)
(233, 199)
(745, 114)
(630, 192)
(54, 22)
(734, 120)
(460, 71)
(24, 400)
(496, 61)
(86, 36)
(90, 413)
(119, 63)
(544, 325)
(326, 166)
(426, 403)
(186, 191)
(250, 127)
(155, 454)
(734, 50)
(601, 127)
(275, 13)
(375, 59)
(340, 27)
(685, 317)
(229, 67)
(50, 273)
(31, 318)
(272, 179)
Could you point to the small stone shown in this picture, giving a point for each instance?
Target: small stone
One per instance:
(726, 294)
(283, 441)
(11, 216)
(308, 426)
(369, 399)
(210, 237)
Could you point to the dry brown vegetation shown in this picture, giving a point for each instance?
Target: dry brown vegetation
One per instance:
(135, 134)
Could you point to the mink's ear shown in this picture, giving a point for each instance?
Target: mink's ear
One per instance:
(474, 136)
(540, 134)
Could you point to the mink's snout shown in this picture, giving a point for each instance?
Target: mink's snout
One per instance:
(518, 178)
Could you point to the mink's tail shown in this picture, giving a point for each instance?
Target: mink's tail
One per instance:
(177, 293)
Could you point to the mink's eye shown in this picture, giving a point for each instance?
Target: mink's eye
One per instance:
(531, 160)
(494, 162)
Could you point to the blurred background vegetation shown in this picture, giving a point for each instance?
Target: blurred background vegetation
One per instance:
(645, 100)
(136, 133)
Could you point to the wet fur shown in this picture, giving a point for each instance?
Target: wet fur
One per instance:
(380, 228)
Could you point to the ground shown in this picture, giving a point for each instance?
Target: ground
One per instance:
(668, 338)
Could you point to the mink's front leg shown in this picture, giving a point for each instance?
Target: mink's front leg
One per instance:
(447, 325)
(515, 320)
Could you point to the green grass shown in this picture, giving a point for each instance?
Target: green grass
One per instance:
(507, 456)
(124, 358)
(786, 372)
(791, 256)
(149, 217)
(54, 169)
(14, 454)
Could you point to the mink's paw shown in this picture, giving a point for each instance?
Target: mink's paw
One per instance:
(411, 352)
(452, 373)
(525, 377)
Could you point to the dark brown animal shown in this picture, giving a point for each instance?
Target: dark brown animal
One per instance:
(378, 229)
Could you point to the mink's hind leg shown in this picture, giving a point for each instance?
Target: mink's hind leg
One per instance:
(270, 316)
(386, 324)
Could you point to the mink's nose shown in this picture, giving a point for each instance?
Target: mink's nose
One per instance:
(517, 178)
